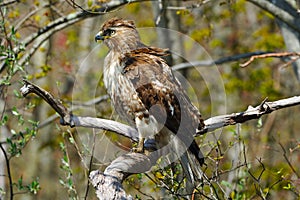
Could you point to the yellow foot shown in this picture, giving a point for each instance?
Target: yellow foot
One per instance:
(140, 146)
(138, 150)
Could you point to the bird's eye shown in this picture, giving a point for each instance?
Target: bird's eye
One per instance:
(110, 32)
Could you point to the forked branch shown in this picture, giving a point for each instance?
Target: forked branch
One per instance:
(211, 124)
(108, 183)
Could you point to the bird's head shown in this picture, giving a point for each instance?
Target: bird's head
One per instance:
(119, 35)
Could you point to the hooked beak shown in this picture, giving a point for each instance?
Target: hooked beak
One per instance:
(100, 36)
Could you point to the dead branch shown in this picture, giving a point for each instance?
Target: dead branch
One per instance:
(54, 103)
(108, 183)
(265, 107)
(110, 180)
(288, 161)
(269, 55)
(8, 2)
(211, 124)
(206, 63)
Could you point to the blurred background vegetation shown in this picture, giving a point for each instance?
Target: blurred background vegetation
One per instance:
(52, 44)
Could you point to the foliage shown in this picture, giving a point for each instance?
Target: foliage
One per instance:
(32, 187)
(256, 160)
(65, 166)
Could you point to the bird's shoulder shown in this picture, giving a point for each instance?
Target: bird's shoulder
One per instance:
(146, 63)
(149, 50)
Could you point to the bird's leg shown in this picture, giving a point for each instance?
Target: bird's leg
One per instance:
(140, 146)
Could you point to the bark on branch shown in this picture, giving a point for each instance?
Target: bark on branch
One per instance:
(108, 183)
(211, 124)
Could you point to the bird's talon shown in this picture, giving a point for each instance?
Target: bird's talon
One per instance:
(137, 150)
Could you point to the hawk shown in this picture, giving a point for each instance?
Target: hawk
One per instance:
(143, 89)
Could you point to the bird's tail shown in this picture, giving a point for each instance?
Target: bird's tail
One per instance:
(191, 159)
(191, 162)
(183, 147)
(192, 171)
(194, 149)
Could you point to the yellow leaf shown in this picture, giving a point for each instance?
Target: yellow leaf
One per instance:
(266, 190)
(90, 3)
(37, 18)
(159, 175)
(36, 2)
(17, 35)
(232, 195)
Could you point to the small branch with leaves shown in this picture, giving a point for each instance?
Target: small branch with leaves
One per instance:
(108, 183)
(37, 38)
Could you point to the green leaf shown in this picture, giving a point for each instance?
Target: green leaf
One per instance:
(15, 111)
(13, 132)
(34, 186)
(259, 123)
(17, 94)
(288, 187)
(20, 184)
(4, 120)
(72, 141)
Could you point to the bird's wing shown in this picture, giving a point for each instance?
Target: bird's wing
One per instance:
(163, 96)
(156, 85)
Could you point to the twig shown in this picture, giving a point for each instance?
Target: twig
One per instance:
(206, 63)
(8, 40)
(272, 185)
(268, 55)
(257, 180)
(191, 7)
(8, 172)
(92, 11)
(30, 14)
(147, 196)
(8, 2)
(293, 59)
(262, 171)
(90, 167)
(288, 161)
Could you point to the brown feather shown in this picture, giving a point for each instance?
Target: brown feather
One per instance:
(154, 86)
(117, 22)
(142, 86)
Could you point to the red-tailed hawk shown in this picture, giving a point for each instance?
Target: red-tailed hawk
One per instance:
(143, 89)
